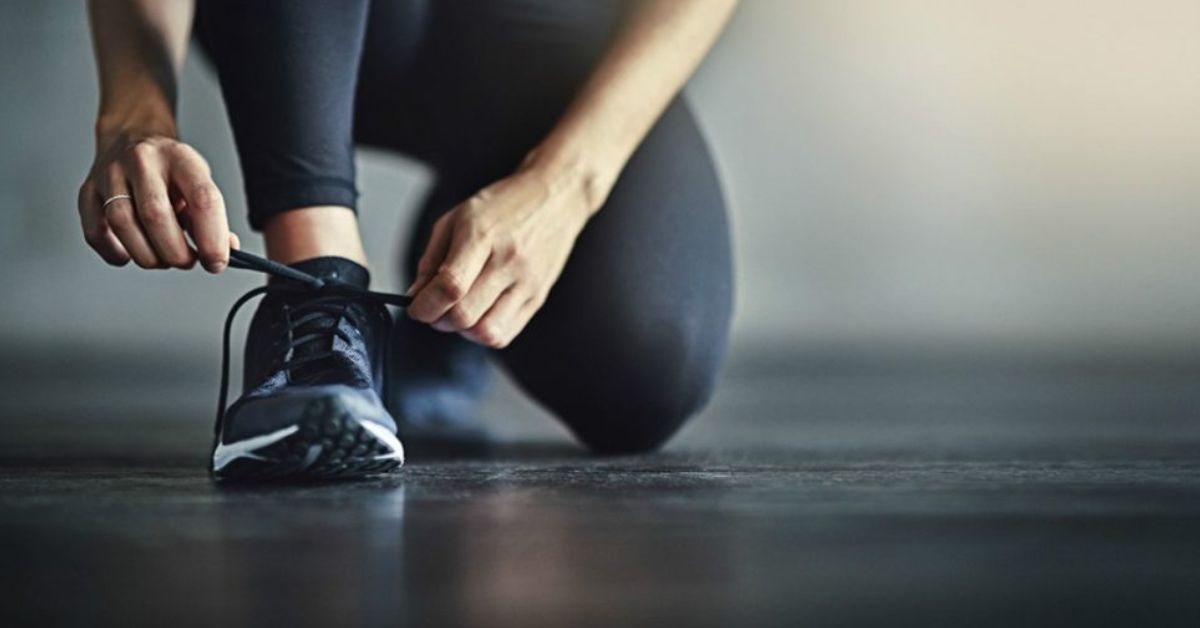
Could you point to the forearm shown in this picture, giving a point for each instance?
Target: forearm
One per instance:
(654, 54)
(140, 47)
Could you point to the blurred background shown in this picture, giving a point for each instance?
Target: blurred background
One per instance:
(968, 178)
(964, 383)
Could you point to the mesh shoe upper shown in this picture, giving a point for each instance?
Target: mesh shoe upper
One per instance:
(312, 345)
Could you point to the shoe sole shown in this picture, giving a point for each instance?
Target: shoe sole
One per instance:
(316, 448)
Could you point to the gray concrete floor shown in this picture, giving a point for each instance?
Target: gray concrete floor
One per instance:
(825, 492)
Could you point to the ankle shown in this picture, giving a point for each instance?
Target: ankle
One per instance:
(309, 232)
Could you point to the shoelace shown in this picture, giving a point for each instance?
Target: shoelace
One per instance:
(330, 298)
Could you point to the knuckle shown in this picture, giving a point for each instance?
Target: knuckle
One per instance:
(177, 259)
(148, 263)
(182, 150)
(488, 334)
(519, 260)
(204, 197)
(93, 236)
(451, 286)
(460, 317)
(141, 153)
(473, 234)
(155, 213)
(481, 197)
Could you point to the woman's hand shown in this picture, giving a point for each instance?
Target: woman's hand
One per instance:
(161, 185)
(145, 187)
(492, 260)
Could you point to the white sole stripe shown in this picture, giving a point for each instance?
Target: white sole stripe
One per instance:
(225, 454)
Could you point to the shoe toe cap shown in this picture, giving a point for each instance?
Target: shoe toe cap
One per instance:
(295, 405)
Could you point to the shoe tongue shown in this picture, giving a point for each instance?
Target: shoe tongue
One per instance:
(331, 268)
(337, 269)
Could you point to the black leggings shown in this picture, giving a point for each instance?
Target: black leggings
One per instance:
(630, 340)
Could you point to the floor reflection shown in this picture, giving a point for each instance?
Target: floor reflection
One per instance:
(846, 501)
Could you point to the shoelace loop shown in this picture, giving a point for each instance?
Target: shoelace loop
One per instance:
(330, 298)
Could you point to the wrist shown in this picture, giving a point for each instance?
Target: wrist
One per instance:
(568, 171)
(148, 117)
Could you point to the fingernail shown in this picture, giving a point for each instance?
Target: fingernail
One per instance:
(217, 267)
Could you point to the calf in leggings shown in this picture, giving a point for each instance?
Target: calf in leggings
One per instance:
(575, 229)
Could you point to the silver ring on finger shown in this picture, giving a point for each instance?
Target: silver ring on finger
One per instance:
(112, 199)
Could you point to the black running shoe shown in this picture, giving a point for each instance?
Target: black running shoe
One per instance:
(310, 405)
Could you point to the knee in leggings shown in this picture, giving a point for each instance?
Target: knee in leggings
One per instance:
(636, 403)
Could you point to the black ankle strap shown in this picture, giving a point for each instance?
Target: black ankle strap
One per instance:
(250, 261)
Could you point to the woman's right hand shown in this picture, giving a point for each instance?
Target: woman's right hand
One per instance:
(161, 186)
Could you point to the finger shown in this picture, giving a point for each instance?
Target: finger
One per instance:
(492, 282)
(121, 218)
(501, 323)
(204, 207)
(155, 211)
(95, 231)
(435, 252)
(464, 260)
(521, 319)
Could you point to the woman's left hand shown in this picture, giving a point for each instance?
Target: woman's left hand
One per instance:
(492, 260)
